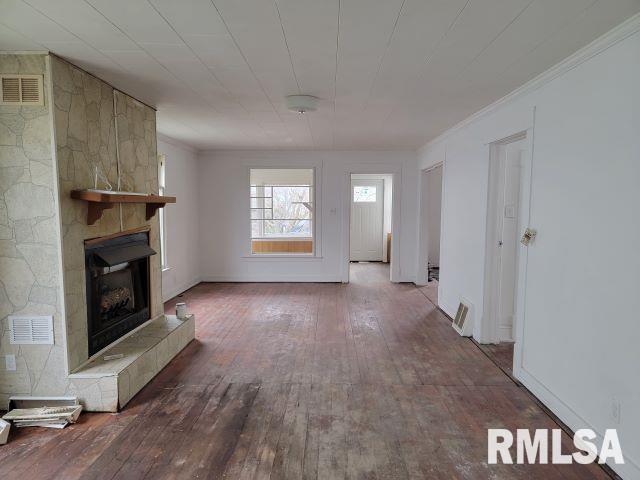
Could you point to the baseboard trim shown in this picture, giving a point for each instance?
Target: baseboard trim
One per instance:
(272, 278)
(571, 419)
(180, 289)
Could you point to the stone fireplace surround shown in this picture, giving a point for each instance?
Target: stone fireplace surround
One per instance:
(45, 152)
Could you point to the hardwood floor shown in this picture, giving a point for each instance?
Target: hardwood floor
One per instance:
(431, 291)
(366, 380)
(501, 354)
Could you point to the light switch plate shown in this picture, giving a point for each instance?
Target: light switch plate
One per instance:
(510, 211)
(10, 363)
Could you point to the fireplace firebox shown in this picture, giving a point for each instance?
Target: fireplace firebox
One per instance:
(118, 290)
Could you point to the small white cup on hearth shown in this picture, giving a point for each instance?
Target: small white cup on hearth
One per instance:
(181, 310)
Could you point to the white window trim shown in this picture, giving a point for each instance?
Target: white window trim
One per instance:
(315, 224)
(162, 219)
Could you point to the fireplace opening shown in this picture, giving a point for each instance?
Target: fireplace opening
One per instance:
(118, 290)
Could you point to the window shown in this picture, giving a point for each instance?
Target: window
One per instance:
(282, 211)
(364, 194)
(161, 188)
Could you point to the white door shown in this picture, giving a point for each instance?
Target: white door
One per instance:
(510, 172)
(366, 220)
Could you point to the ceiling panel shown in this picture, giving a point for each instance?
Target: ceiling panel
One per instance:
(84, 22)
(10, 40)
(41, 29)
(366, 29)
(216, 51)
(195, 17)
(389, 74)
(311, 30)
(138, 19)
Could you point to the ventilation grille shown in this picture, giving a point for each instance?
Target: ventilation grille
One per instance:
(461, 315)
(463, 321)
(31, 330)
(22, 90)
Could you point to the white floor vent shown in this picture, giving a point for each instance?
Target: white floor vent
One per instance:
(22, 90)
(463, 322)
(34, 330)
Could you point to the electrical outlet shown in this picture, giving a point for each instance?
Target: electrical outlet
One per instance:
(616, 408)
(10, 363)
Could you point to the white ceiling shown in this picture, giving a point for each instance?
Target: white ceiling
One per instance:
(390, 73)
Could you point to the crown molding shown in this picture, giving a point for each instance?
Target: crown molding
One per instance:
(599, 45)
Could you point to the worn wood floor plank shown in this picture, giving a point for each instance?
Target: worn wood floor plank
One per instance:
(362, 381)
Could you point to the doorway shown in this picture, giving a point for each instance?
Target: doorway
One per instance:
(370, 221)
(430, 226)
(507, 216)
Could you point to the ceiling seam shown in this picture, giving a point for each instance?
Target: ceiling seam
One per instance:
(335, 79)
(231, 96)
(486, 47)
(235, 42)
(181, 80)
(44, 47)
(73, 34)
(233, 38)
(568, 22)
(384, 55)
(432, 54)
(293, 69)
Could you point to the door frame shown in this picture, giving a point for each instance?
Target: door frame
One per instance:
(382, 206)
(423, 241)
(396, 203)
(489, 321)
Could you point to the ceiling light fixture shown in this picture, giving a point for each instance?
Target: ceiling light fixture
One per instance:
(302, 103)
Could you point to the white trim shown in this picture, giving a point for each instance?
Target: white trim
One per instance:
(176, 143)
(316, 214)
(613, 36)
(630, 469)
(271, 278)
(489, 330)
(281, 256)
(422, 246)
(174, 292)
(268, 152)
(396, 215)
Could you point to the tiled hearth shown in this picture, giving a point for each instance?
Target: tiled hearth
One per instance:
(45, 153)
(134, 362)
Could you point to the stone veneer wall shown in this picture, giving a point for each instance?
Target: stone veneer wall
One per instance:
(40, 224)
(138, 160)
(85, 132)
(30, 282)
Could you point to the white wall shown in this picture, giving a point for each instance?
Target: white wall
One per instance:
(224, 234)
(579, 352)
(182, 218)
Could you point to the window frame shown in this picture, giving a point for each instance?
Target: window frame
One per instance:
(162, 219)
(313, 197)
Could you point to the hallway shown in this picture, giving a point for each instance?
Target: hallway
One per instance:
(284, 380)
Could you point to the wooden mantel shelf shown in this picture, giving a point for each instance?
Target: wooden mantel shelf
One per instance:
(99, 201)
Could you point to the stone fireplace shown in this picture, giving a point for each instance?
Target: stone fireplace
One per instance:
(100, 282)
